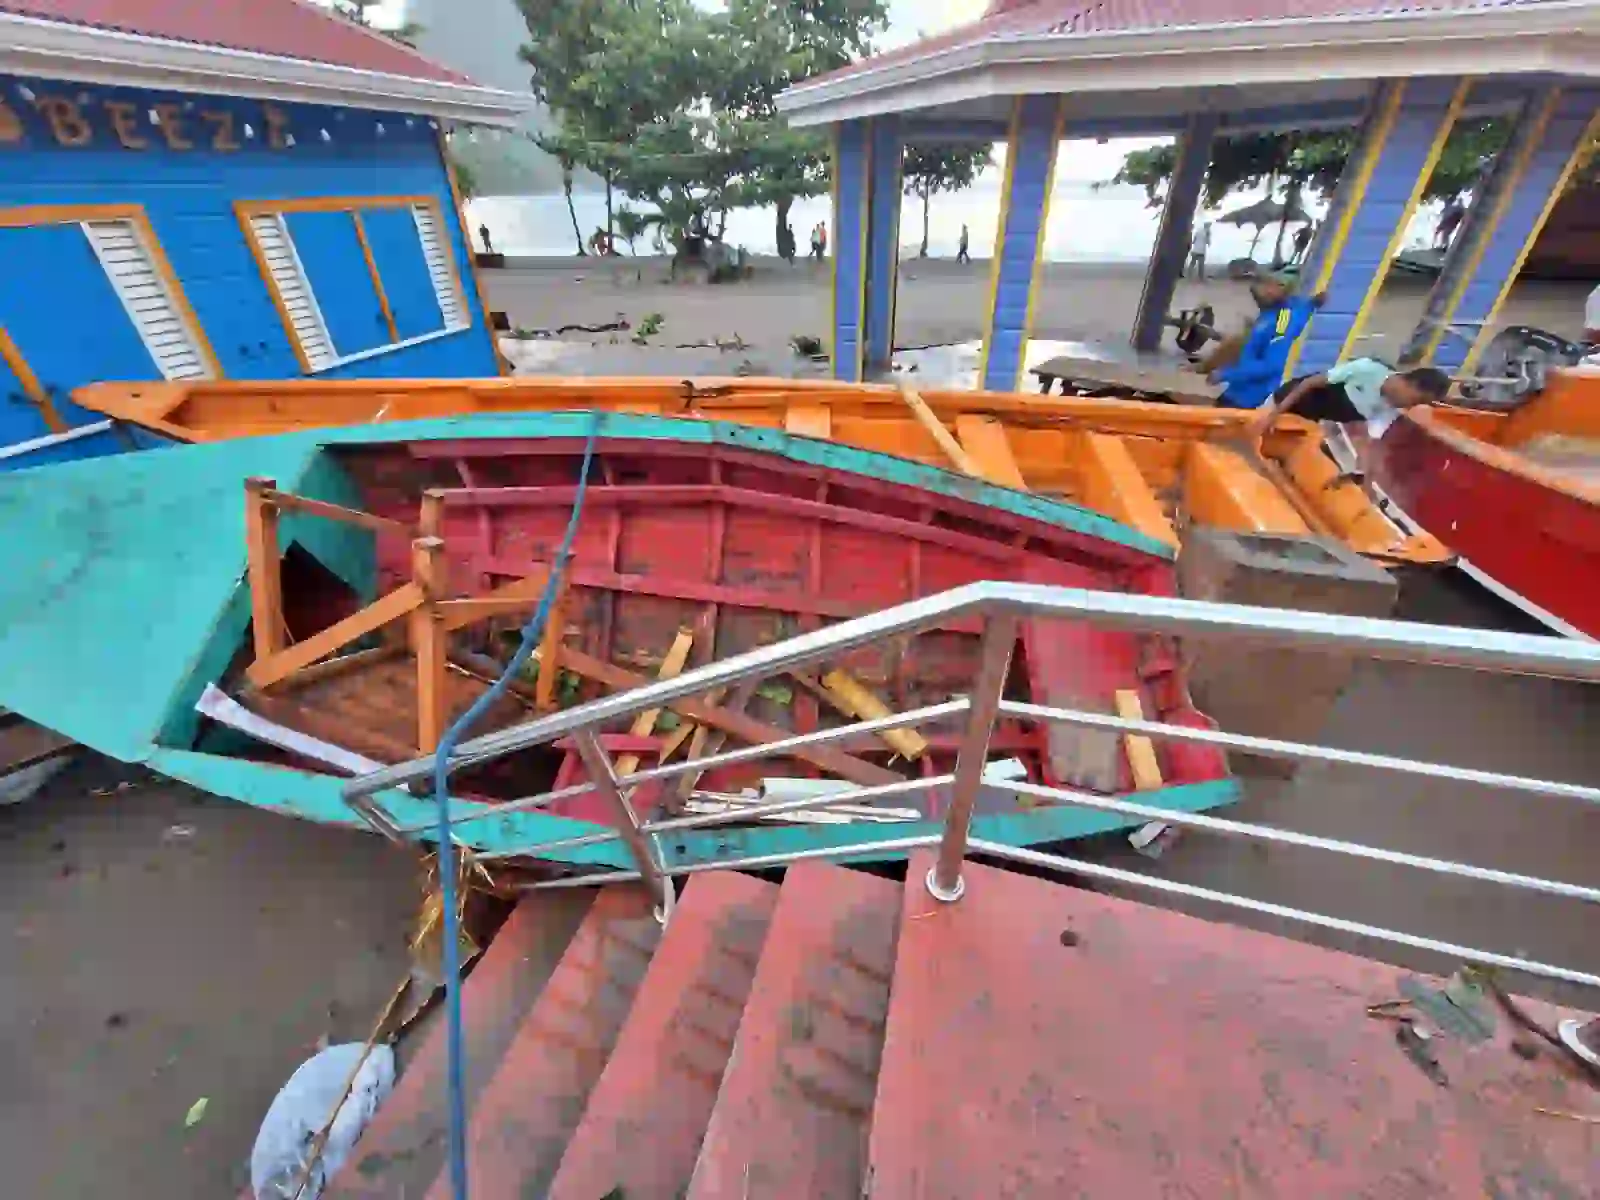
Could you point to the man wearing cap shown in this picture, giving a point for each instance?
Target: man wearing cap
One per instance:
(1252, 379)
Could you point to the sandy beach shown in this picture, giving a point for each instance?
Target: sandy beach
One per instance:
(940, 301)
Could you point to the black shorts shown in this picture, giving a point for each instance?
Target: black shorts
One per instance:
(1330, 402)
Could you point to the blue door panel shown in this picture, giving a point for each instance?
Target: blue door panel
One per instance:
(397, 249)
(331, 254)
(74, 330)
(20, 418)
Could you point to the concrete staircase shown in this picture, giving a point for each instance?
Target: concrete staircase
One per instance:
(844, 1035)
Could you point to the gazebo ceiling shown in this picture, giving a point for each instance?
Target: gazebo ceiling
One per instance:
(1140, 66)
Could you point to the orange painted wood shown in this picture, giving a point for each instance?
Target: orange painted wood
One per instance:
(289, 502)
(531, 1108)
(647, 1116)
(985, 440)
(644, 725)
(795, 1105)
(517, 596)
(555, 631)
(1047, 1041)
(1222, 489)
(264, 560)
(808, 420)
(403, 1150)
(430, 642)
(265, 672)
(952, 449)
(1113, 484)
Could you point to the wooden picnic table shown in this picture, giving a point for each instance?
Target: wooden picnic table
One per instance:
(1151, 382)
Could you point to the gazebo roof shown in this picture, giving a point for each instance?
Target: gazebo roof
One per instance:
(273, 49)
(1147, 62)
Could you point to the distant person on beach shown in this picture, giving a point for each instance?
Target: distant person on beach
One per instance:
(1199, 247)
(1361, 390)
(962, 255)
(1591, 317)
(1302, 242)
(818, 241)
(1449, 222)
(1249, 382)
(483, 233)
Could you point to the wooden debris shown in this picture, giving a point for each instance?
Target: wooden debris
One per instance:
(645, 723)
(855, 699)
(1142, 761)
(935, 427)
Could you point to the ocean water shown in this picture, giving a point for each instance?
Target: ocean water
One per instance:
(1087, 224)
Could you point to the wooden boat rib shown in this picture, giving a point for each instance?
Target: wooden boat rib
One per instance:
(1517, 494)
(1155, 468)
(350, 591)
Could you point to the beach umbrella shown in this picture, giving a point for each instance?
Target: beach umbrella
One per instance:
(1268, 212)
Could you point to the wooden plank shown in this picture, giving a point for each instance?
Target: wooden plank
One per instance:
(555, 630)
(1114, 485)
(430, 639)
(985, 440)
(809, 420)
(854, 699)
(688, 730)
(265, 567)
(287, 501)
(265, 672)
(516, 596)
(332, 667)
(430, 513)
(746, 729)
(645, 723)
(935, 427)
(1187, 387)
(1141, 750)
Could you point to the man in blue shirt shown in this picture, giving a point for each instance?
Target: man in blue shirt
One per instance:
(1251, 381)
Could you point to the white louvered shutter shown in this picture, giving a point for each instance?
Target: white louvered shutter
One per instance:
(432, 235)
(294, 287)
(128, 264)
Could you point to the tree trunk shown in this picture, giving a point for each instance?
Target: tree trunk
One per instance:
(1256, 241)
(785, 206)
(566, 185)
(927, 200)
(1289, 204)
(722, 224)
(610, 216)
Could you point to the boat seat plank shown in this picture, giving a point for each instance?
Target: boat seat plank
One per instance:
(985, 440)
(808, 420)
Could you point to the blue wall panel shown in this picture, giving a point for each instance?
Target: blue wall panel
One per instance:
(1030, 173)
(883, 239)
(189, 196)
(330, 252)
(1425, 115)
(851, 186)
(1564, 137)
(392, 234)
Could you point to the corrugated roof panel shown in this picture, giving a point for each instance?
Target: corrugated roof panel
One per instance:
(285, 28)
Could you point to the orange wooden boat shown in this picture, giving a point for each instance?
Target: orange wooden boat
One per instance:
(1155, 467)
(1516, 493)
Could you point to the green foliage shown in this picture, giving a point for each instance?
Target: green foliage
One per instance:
(466, 181)
(677, 106)
(932, 169)
(1311, 161)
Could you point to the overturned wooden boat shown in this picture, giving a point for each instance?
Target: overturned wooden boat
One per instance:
(1516, 493)
(264, 617)
(1157, 468)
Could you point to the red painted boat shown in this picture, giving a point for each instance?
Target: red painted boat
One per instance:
(1515, 494)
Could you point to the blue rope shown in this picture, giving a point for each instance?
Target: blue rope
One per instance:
(531, 633)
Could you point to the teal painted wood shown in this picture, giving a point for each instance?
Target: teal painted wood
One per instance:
(135, 595)
(316, 798)
(1030, 170)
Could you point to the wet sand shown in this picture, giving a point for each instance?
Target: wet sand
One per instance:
(161, 946)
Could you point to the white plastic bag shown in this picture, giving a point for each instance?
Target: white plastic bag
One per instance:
(300, 1110)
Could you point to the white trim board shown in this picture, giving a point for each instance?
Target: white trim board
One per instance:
(30, 46)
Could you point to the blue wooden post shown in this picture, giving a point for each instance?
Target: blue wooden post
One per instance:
(1398, 147)
(1505, 220)
(1036, 129)
(852, 165)
(1177, 224)
(886, 173)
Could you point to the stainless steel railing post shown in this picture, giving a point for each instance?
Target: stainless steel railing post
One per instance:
(639, 844)
(999, 639)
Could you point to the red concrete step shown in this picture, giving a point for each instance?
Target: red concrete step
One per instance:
(793, 1114)
(641, 1133)
(403, 1149)
(529, 1110)
(1045, 1041)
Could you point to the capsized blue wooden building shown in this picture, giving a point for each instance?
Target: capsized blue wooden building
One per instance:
(1402, 73)
(252, 189)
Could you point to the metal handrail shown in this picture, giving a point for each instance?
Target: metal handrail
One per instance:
(1003, 605)
(1397, 641)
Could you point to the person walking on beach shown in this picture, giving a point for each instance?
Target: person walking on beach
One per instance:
(1302, 242)
(483, 233)
(1199, 247)
(818, 241)
(1449, 222)
(966, 242)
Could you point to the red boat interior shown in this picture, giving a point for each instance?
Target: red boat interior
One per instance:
(687, 554)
